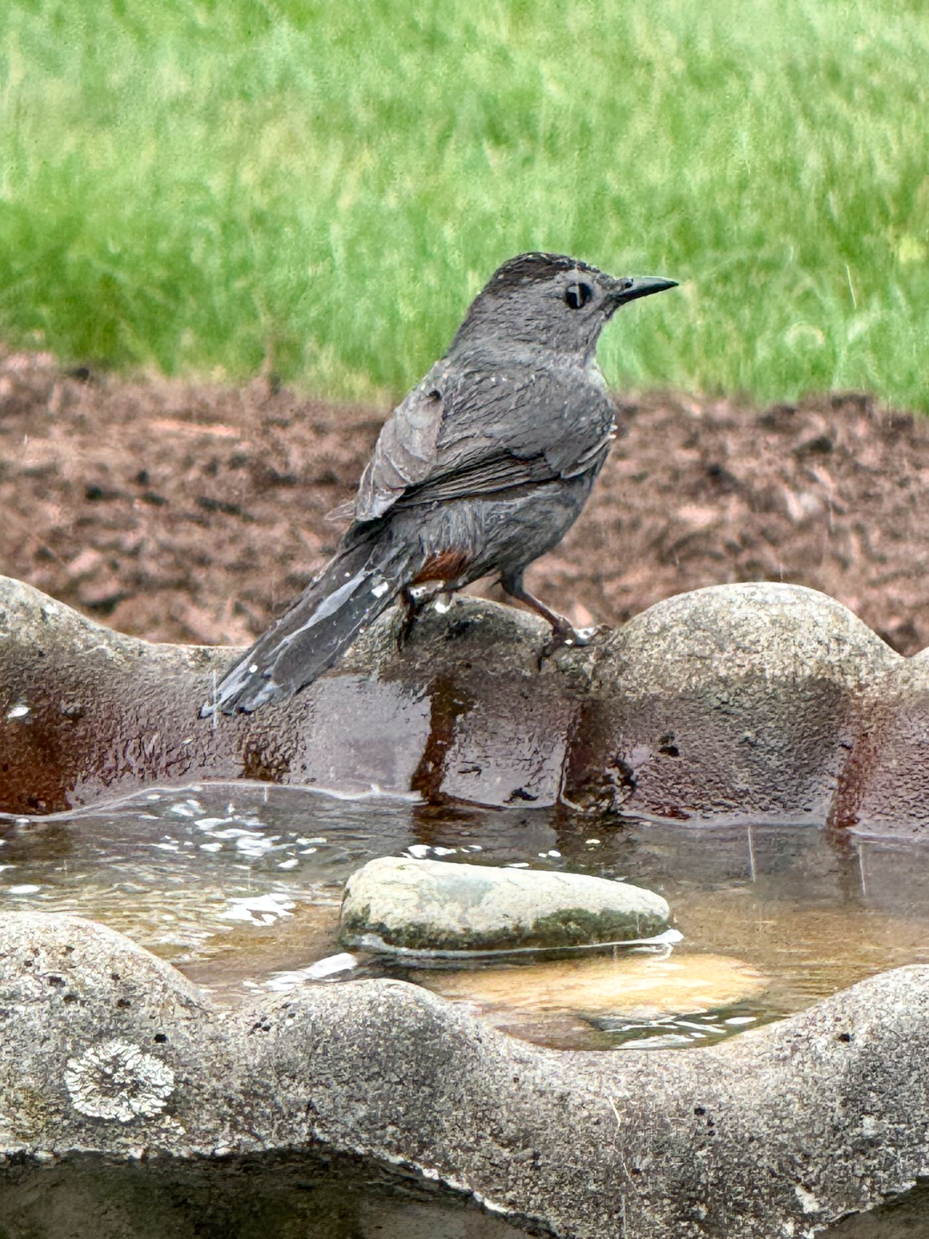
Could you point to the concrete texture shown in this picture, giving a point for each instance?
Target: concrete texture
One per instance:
(733, 703)
(780, 1132)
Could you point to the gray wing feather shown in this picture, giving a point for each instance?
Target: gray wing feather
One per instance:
(462, 433)
(405, 452)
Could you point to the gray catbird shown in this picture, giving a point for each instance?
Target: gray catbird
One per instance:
(484, 466)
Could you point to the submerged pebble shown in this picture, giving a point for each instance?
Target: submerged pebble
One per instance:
(640, 986)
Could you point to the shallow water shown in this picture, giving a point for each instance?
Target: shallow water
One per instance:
(300, 1194)
(239, 886)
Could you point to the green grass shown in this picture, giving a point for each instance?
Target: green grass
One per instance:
(319, 187)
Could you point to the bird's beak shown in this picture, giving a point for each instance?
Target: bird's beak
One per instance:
(642, 286)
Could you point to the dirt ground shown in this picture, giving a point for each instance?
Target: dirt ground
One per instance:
(195, 513)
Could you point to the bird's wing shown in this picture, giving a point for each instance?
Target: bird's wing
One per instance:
(480, 431)
(495, 470)
(405, 452)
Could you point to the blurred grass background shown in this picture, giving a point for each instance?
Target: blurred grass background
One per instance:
(210, 187)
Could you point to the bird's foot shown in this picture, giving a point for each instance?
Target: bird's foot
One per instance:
(564, 635)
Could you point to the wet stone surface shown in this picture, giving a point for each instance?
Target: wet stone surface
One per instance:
(734, 703)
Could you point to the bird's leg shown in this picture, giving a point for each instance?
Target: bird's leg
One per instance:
(563, 632)
(412, 605)
(414, 599)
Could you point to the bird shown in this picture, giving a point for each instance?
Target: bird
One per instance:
(482, 468)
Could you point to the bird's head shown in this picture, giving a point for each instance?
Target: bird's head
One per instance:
(547, 301)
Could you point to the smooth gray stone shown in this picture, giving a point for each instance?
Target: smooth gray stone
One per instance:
(431, 905)
(782, 1131)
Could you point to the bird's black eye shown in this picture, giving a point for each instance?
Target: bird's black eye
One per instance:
(577, 295)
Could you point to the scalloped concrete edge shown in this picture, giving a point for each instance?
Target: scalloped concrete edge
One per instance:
(736, 701)
(777, 1133)
(752, 702)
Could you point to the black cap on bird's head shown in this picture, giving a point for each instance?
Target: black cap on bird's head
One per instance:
(547, 301)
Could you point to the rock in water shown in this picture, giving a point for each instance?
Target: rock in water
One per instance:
(397, 903)
(640, 986)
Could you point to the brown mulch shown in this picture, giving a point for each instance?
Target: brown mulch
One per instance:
(185, 513)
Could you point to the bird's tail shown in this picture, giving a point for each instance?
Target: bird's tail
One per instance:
(357, 584)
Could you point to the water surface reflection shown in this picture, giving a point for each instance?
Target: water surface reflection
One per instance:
(237, 884)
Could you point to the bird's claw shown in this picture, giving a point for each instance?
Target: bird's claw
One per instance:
(564, 636)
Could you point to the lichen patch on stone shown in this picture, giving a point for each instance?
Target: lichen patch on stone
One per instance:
(118, 1080)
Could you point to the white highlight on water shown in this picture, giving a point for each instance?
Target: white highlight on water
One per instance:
(331, 966)
(261, 909)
